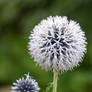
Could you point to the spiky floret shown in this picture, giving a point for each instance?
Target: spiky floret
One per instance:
(25, 85)
(57, 43)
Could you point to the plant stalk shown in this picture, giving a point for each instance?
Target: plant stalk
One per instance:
(55, 81)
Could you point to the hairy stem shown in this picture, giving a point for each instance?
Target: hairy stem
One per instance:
(55, 81)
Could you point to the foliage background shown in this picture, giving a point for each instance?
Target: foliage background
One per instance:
(17, 19)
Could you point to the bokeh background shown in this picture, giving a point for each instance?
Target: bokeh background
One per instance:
(17, 19)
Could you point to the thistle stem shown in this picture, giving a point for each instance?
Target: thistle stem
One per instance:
(55, 81)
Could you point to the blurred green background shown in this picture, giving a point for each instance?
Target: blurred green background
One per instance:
(17, 19)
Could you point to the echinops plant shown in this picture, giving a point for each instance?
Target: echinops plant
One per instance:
(57, 44)
(25, 85)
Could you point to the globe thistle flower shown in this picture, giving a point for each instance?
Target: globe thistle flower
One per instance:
(57, 43)
(25, 85)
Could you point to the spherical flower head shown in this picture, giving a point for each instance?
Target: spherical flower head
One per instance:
(57, 43)
(25, 85)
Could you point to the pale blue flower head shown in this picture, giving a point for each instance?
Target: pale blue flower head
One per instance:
(57, 43)
(25, 85)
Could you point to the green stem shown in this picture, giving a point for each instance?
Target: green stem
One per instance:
(55, 81)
